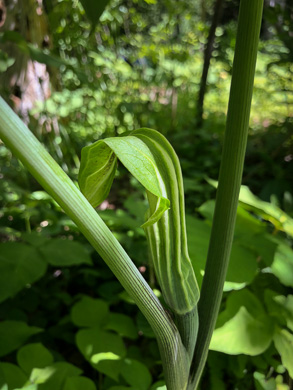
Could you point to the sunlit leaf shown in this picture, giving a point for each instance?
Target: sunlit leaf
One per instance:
(263, 383)
(54, 376)
(284, 344)
(282, 266)
(34, 356)
(243, 327)
(266, 210)
(103, 350)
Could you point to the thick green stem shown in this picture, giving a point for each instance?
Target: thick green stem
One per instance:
(54, 180)
(250, 16)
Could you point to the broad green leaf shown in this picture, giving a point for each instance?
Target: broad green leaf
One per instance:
(243, 298)
(242, 334)
(136, 374)
(243, 327)
(243, 262)
(152, 161)
(284, 344)
(123, 325)
(94, 9)
(102, 349)
(20, 265)
(266, 210)
(12, 376)
(282, 266)
(34, 356)
(250, 232)
(54, 376)
(79, 383)
(13, 334)
(34, 239)
(65, 253)
(89, 312)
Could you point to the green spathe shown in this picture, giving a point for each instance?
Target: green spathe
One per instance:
(153, 162)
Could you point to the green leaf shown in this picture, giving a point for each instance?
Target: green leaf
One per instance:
(54, 376)
(243, 327)
(12, 376)
(89, 312)
(102, 349)
(34, 356)
(282, 266)
(250, 232)
(65, 253)
(34, 239)
(242, 334)
(79, 383)
(94, 9)
(262, 383)
(123, 325)
(136, 374)
(152, 161)
(242, 267)
(20, 265)
(284, 344)
(286, 303)
(13, 334)
(280, 307)
(159, 386)
(266, 210)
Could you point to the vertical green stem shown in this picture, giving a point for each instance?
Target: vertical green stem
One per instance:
(55, 181)
(249, 23)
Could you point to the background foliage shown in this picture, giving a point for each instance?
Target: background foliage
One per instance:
(75, 74)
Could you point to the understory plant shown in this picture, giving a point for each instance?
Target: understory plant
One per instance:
(184, 325)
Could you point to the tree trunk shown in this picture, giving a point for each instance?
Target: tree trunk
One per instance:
(207, 59)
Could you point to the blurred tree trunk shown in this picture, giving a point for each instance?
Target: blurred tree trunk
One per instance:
(25, 81)
(208, 51)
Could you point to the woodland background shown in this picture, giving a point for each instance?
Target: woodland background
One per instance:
(76, 71)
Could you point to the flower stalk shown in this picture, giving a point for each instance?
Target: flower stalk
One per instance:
(249, 23)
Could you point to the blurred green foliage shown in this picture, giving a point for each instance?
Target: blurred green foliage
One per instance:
(66, 323)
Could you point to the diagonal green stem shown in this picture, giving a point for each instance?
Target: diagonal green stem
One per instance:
(54, 180)
(249, 23)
